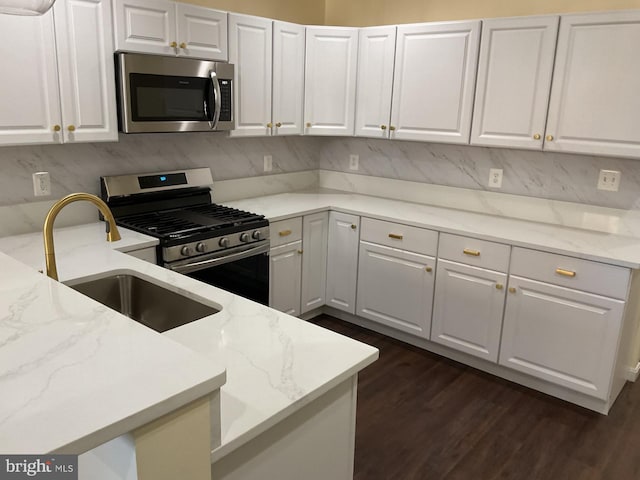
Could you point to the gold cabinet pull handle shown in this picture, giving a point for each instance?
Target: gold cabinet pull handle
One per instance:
(300, 251)
(269, 125)
(183, 45)
(383, 127)
(429, 269)
(566, 273)
(173, 44)
(308, 124)
(71, 128)
(473, 253)
(549, 138)
(278, 124)
(512, 289)
(396, 236)
(536, 136)
(56, 128)
(353, 226)
(392, 128)
(284, 233)
(499, 286)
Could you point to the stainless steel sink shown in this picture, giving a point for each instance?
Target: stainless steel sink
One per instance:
(152, 305)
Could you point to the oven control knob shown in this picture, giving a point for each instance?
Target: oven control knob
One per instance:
(244, 237)
(257, 235)
(185, 251)
(201, 247)
(224, 242)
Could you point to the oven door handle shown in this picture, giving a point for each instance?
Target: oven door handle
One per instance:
(215, 87)
(212, 262)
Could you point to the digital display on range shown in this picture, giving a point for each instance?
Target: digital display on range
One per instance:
(162, 180)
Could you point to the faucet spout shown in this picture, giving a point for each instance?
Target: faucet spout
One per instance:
(113, 235)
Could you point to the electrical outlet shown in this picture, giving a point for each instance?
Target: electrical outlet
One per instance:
(268, 163)
(41, 184)
(609, 180)
(495, 177)
(353, 162)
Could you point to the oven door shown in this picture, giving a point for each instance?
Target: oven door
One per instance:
(244, 272)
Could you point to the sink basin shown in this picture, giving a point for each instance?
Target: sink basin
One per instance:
(145, 302)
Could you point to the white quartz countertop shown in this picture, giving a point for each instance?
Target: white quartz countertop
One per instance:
(275, 364)
(616, 249)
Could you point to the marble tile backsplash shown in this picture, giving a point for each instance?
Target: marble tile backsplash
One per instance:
(552, 176)
(77, 167)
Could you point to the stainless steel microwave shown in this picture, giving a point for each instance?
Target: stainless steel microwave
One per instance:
(173, 94)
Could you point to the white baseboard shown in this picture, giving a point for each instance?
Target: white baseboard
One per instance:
(633, 373)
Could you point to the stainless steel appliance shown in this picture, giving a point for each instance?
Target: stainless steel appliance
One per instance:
(218, 245)
(172, 94)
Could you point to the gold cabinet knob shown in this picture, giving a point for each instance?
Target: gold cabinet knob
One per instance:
(512, 289)
(173, 44)
(56, 128)
(499, 286)
(278, 124)
(353, 226)
(183, 45)
(71, 128)
(269, 125)
(536, 136)
(308, 124)
(392, 128)
(549, 138)
(300, 251)
(429, 269)
(383, 127)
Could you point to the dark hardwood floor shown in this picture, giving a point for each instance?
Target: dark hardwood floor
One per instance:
(422, 416)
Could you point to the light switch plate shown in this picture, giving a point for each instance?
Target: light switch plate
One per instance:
(41, 184)
(495, 177)
(353, 162)
(268, 163)
(609, 180)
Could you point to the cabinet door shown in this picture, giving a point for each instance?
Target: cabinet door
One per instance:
(395, 288)
(250, 51)
(85, 63)
(330, 80)
(288, 78)
(376, 50)
(434, 81)
(514, 81)
(284, 278)
(563, 336)
(203, 31)
(315, 231)
(146, 26)
(468, 307)
(342, 261)
(29, 97)
(595, 105)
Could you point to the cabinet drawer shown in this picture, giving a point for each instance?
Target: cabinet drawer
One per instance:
(471, 251)
(594, 277)
(285, 231)
(391, 234)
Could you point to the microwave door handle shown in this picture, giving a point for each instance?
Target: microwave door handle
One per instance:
(215, 84)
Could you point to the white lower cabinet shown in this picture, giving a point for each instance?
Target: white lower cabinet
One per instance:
(395, 288)
(315, 235)
(468, 308)
(285, 264)
(342, 261)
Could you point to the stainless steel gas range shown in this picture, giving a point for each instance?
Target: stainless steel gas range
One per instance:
(219, 245)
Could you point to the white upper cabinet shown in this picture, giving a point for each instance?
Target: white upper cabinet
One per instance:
(595, 104)
(514, 80)
(330, 80)
(434, 80)
(250, 50)
(376, 51)
(64, 96)
(85, 62)
(29, 98)
(288, 78)
(201, 32)
(168, 28)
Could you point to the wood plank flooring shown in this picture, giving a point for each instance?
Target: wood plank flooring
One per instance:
(424, 417)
